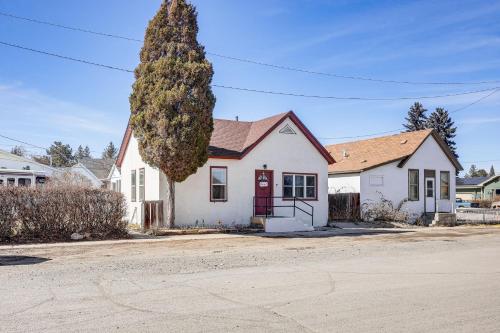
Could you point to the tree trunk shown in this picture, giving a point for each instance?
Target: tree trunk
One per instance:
(170, 214)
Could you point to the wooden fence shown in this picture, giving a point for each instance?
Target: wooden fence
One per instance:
(344, 206)
(152, 214)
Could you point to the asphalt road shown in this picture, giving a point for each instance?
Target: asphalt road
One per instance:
(432, 280)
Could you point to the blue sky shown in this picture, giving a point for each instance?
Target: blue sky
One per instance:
(43, 99)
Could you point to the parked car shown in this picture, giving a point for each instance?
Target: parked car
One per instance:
(465, 204)
(495, 205)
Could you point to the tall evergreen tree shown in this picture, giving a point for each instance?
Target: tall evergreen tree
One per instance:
(110, 151)
(492, 171)
(62, 155)
(82, 152)
(416, 119)
(172, 101)
(441, 122)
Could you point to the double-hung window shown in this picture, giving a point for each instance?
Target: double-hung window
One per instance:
(445, 185)
(413, 188)
(141, 184)
(218, 183)
(133, 186)
(302, 186)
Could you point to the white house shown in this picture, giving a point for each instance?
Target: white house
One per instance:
(114, 179)
(21, 171)
(95, 170)
(249, 162)
(414, 170)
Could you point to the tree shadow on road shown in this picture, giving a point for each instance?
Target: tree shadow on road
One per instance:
(324, 234)
(21, 260)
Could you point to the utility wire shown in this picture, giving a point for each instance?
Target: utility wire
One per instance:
(269, 92)
(66, 57)
(68, 27)
(249, 61)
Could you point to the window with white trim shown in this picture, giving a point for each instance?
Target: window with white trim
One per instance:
(133, 186)
(413, 188)
(218, 184)
(444, 185)
(142, 180)
(302, 186)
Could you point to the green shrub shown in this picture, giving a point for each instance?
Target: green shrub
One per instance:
(54, 213)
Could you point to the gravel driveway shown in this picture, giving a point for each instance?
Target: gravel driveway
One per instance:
(444, 280)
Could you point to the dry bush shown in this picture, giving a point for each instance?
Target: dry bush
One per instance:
(54, 213)
(68, 178)
(483, 203)
(384, 210)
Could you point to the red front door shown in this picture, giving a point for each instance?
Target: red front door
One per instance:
(264, 184)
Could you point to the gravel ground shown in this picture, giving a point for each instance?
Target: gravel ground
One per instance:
(433, 279)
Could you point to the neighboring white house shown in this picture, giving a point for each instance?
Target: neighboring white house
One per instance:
(114, 179)
(21, 171)
(272, 157)
(414, 170)
(95, 170)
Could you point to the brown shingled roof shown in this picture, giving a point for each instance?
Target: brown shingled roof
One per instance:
(362, 155)
(234, 139)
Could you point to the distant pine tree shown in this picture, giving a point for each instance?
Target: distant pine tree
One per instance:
(110, 151)
(82, 152)
(62, 155)
(441, 122)
(416, 119)
(492, 171)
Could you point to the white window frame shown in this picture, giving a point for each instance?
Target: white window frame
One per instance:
(304, 186)
(133, 185)
(142, 184)
(224, 184)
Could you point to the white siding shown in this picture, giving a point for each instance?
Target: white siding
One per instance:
(281, 153)
(132, 161)
(395, 180)
(344, 183)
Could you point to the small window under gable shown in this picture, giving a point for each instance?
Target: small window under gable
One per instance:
(287, 129)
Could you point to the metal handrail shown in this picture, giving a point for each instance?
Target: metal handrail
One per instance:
(294, 206)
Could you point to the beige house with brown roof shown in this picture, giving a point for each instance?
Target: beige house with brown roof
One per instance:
(415, 171)
(273, 167)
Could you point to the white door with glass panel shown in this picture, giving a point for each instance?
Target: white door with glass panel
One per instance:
(430, 195)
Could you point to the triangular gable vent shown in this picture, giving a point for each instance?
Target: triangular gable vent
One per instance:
(287, 130)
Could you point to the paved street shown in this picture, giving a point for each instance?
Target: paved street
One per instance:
(422, 280)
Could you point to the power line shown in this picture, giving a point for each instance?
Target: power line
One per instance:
(66, 57)
(349, 77)
(249, 61)
(68, 27)
(269, 92)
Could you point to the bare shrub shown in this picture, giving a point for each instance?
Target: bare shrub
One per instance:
(483, 203)
(55, 212)
(68, 178)
(384, 210)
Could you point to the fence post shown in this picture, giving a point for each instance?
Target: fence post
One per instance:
(293, 206)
